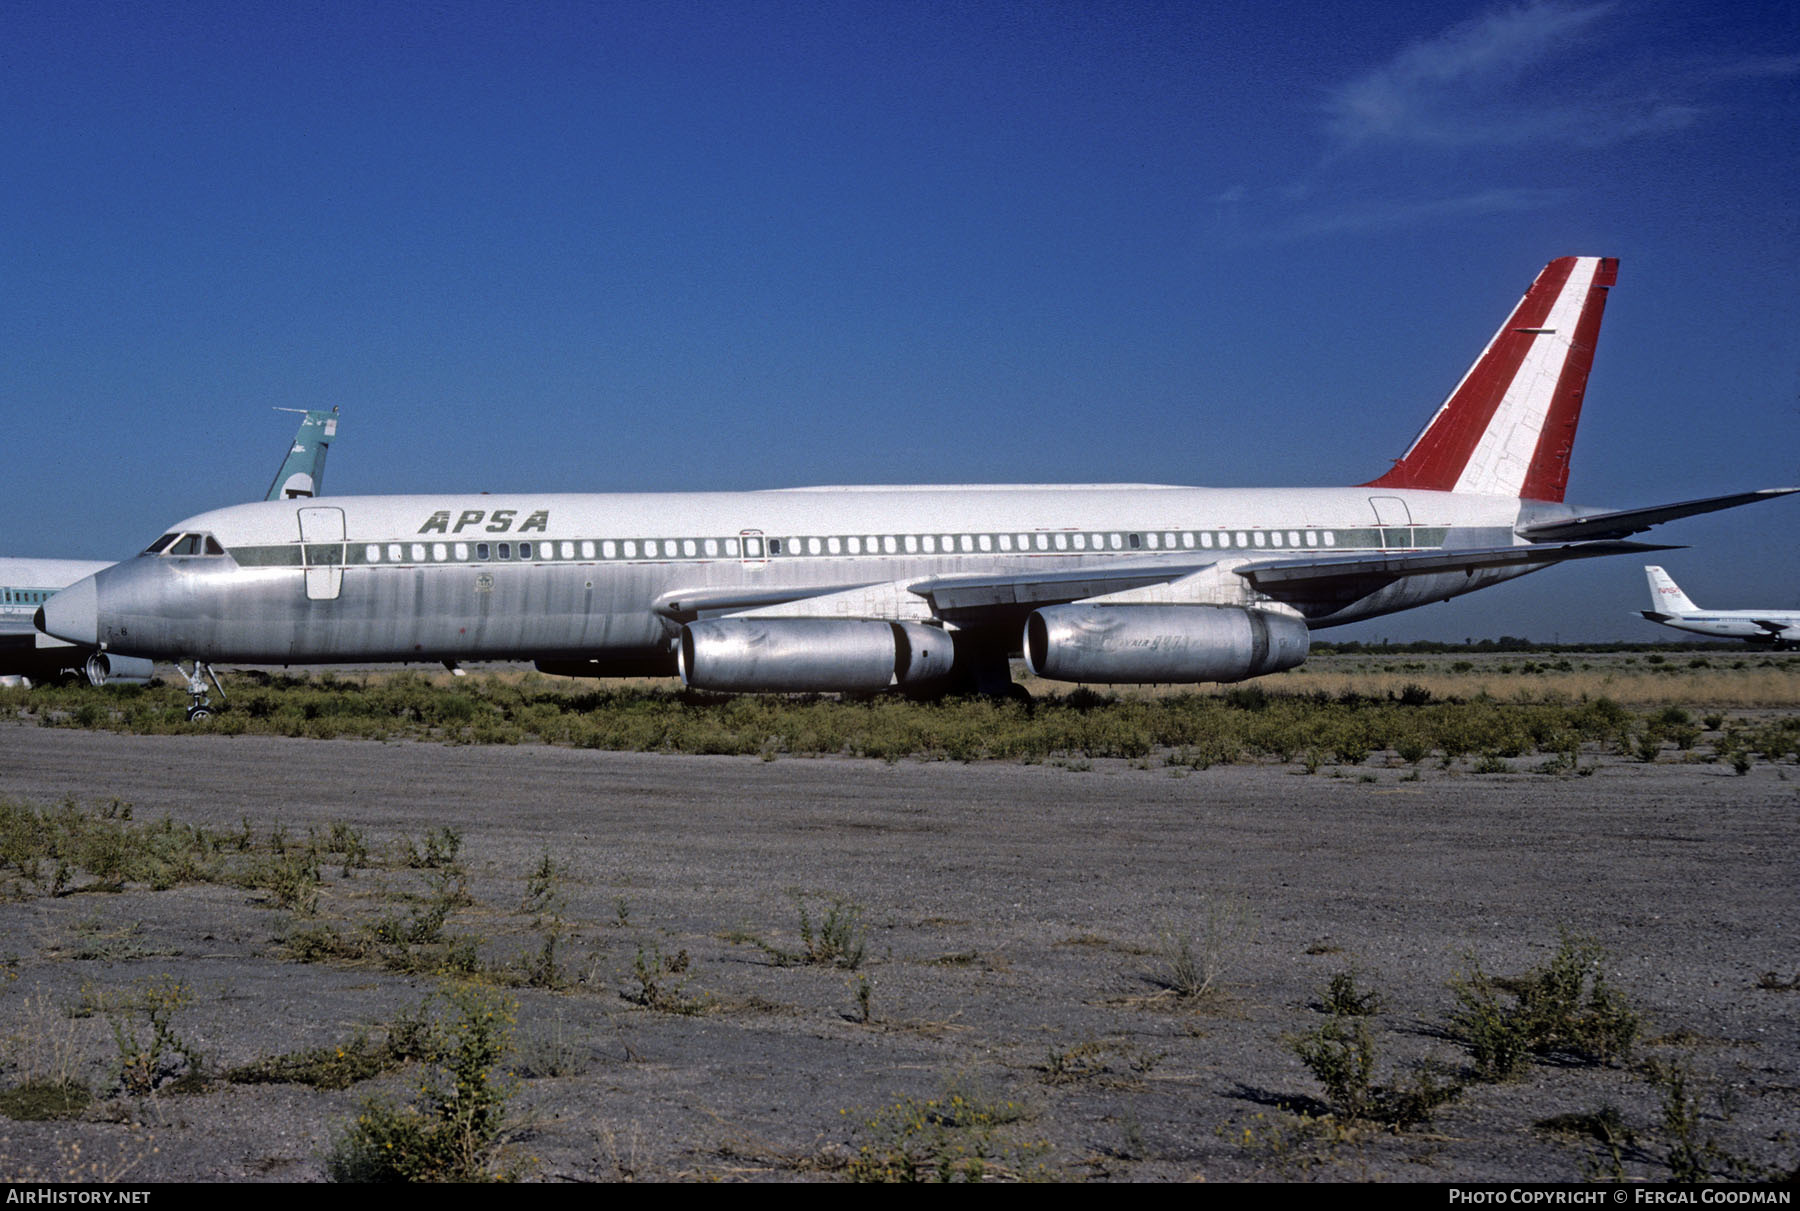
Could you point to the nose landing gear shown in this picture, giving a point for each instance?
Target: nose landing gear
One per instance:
(201, 703)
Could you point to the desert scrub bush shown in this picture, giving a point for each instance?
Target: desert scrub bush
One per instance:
(962, 1136)
(1194, 960)
(148, 1060)
(1344, 997)
(1564, 1009)
(661, 983)
(451, 1132)
(1340, 1054)
(43, 1057)
(837, 938)
(335, 1066)
(437, 850)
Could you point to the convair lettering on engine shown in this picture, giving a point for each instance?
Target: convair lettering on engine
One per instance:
(912, 589)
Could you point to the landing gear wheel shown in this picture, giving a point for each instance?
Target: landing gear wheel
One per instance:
(201, 706)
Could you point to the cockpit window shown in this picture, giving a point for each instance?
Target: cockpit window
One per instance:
(185, 544)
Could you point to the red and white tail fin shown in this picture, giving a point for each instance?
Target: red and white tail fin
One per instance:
(1508, 427)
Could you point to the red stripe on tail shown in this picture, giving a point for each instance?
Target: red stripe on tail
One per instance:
(1438, 457)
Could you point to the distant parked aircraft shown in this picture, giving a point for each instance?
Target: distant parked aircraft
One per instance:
(924, 589)
(26, 584)
(1672, 608)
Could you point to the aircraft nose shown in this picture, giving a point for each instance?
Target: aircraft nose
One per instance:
(72, 614)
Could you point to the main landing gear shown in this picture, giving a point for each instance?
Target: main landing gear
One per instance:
(201, 703)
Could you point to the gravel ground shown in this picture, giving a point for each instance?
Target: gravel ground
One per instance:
(1017, 921)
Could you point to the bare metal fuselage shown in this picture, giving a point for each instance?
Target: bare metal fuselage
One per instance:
(611, 578)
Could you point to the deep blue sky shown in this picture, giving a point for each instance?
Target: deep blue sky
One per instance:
(666, 245)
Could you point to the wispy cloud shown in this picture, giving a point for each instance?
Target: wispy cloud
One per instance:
(1538, 72)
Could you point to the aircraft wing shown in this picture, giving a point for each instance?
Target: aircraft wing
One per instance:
(1304, 577)
(1004, 598)
(1619, 523)
(1771, 625)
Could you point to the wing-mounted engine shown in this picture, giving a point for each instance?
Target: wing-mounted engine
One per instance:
(755, 655)
(1152, 643)
(104, 667)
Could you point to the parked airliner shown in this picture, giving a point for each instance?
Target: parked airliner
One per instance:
(1671, 607)
(25, 584)
(861, 589)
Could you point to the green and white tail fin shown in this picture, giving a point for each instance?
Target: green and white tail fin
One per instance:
(303, 471)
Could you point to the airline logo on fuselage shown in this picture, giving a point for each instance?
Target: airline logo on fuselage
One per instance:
(500, 521)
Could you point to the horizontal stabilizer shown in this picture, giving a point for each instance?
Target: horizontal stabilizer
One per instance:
(1619, 523)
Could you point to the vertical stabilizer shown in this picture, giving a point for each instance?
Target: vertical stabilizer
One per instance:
(1666, 596)
(303, 471)
(1508, 427)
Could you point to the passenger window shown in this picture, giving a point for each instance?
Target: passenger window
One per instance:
(372, 553)
(712, 547)
(462, 550)
(608, 549)
(1275, 538)
(689, 548)
(1243, 539)
(888, 544)
(587, 550)
(630, 549)
(1080, 542)
(1062, 542)
(1150, 538)
(418, 552)
(438, 551)
(1006, 542)
(930, 544)
(1312, 538)
(986, 542)
(774, 546)
(1043, 542)
(1205, 539)
(1293, 538)
(394, 555)
(912, 544)
(967, 543)
(481, 550)
(524, 550)
(1115, 541)
(503, 550)
(814, 546)
(752, 547)
(1261, 540)
(1330, 539)
(834, 545)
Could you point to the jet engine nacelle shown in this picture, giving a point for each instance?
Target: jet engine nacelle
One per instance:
(103, 667)
(811, 655)
(1145, 643)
